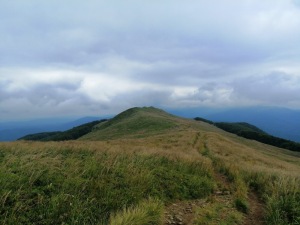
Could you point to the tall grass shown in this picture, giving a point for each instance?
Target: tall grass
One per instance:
(218, 212)
(281, 194)
(100, 182)
(238, 185)
(148, 212)
(44, 184)
(272, 173)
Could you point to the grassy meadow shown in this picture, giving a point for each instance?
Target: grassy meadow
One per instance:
(84, 183)
(131, 179)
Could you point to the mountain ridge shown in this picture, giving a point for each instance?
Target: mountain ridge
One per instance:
(134, 122)
(176, 161)
(147, 121)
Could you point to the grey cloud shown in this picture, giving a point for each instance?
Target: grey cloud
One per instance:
(142, 98)
(224, 51)
(79, 33)
(276, 88)
(214, 93)
(49, 100)
(180, 73)
(42, 94)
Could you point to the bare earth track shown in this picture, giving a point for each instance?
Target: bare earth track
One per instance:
(256, 212)
(182, 212)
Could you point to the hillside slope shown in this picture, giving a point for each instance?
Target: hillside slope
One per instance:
(134, 122)
(158, 169)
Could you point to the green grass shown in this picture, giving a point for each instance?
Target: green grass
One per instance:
(54, 185)
(218, 213)
(282, 197)
(135, 122)
(271, 173)
(241, 204)
(148, 159)
(238, 185)
(280, 193)
(147, 212)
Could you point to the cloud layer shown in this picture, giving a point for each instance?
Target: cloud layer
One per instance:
(99, 57)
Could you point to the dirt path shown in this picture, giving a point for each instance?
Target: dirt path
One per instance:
(182, 212)
(256, 212)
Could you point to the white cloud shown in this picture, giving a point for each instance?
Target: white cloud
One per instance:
(107, 55)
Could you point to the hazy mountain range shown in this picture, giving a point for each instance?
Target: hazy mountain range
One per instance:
(10, 131)
(280, 122)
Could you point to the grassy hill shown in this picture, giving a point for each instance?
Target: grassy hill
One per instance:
(148, 167)
(134, 122)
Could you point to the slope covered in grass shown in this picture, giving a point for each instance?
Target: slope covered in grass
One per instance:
(134, 122)
(82, 183)
(148, 160)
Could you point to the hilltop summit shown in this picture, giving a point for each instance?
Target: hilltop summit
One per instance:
(134, 122)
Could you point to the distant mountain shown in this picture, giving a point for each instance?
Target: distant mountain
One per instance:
(147, 121)
(134, 122)
(280, 122)
(72, 134)
(79, 122)
(239, 128)
(252, 132)
(10, 131)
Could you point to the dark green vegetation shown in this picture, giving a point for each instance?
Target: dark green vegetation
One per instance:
(44, 136)
(71, 134)
(204, 120)
(129, 169)
(147, 212)
(239, 128)
(252, 132)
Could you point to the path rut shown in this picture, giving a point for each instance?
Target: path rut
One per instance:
(184, 212)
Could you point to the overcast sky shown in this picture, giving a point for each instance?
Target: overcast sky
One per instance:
(93, 57)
